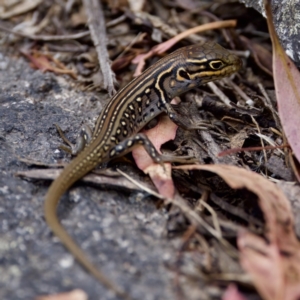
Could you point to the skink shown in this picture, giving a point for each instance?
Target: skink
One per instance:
(117, 128)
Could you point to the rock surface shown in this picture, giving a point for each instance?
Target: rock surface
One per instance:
(122, 233)
(286, 14)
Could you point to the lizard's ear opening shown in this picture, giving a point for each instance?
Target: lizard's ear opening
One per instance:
(184, 74)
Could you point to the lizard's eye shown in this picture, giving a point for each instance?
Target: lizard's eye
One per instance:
(216, 64)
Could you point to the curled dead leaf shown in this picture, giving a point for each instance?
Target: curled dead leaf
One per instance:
(273, 261)
(286, 79)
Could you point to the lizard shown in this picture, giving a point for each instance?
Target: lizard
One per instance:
(117, 128)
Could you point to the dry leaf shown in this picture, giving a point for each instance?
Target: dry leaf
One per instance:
(238, 140)
(43, 62)
(274, 261)
(286, 78)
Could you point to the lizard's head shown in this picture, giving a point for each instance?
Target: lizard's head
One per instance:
(206, 62)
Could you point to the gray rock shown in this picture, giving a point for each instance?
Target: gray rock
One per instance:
(286, 15)
(121, 232)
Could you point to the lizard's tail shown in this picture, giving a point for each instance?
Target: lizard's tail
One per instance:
(64, 181)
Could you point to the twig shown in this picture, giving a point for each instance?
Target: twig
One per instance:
(163, 47)
(220, 94)
(96, 24)
(268, 103)
(270, 141)
(21, 8)
(261, 139)
(243, 95)
(225, 32)
(141, 186)
(214, 216)
(177, 201)
(235, 150)
(46, 38)
(116, 21)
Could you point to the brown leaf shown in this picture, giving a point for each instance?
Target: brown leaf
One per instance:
(286, 78)
(238, 140)
(263, 261)
(43, 62)
(273, 262)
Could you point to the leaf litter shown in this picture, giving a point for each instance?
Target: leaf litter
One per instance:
(234, 211)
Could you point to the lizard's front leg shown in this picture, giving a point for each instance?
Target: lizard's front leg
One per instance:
(130, 143)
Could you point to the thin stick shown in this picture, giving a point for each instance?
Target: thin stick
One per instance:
(47, 38)
(96, 24)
